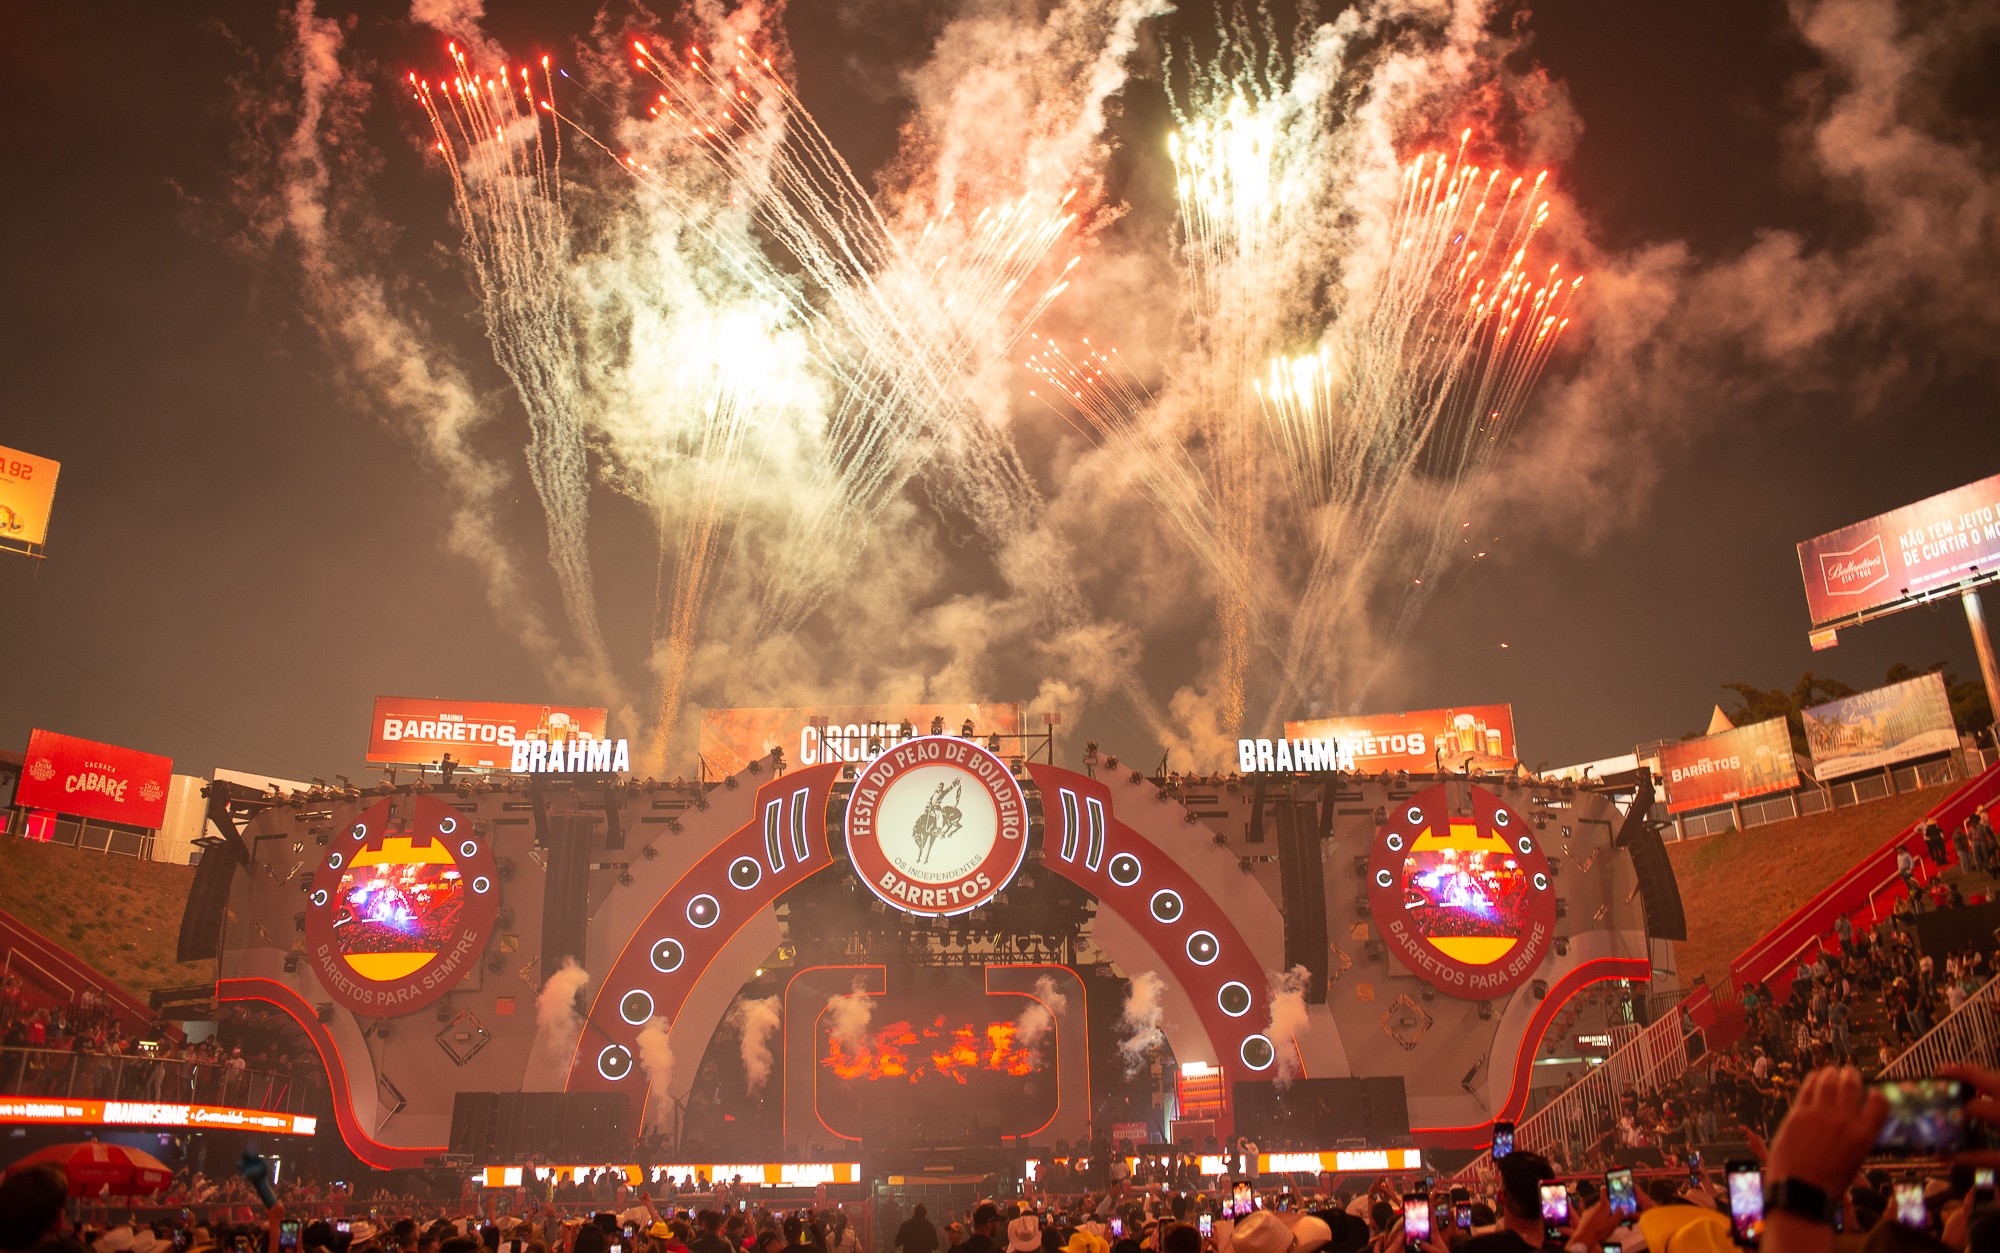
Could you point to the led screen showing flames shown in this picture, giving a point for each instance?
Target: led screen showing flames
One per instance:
(961, 1053)
(936, 1050)
(1469, 902)
(395, 906)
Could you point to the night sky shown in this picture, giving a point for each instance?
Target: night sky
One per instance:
(243, 556)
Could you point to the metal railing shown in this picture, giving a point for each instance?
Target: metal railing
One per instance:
(1580, 1114)
(77, 833)
(138, 1077)
(1968, 1035)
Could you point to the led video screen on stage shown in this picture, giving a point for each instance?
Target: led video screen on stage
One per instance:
(1464, 900)
(931, 1052)
(394, 916)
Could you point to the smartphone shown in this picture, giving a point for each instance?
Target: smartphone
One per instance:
(1746, 1202)
(1503, 1139)
(1416, 1222)
(1461, 1215)
(342, 1226)
(741, 1207)
(1694, 1166)
(631, 1230)
(1927, 1117)
(288, 1234)
(615, 1247)
(240, 1243)
(1555, 1206)
(1909, 1205)
(1611, 1246)
(1117, 1227)
(1257, 1202)
(1982, 1185)
(1619, 1194)
(181, 1238)
(1206, 1225)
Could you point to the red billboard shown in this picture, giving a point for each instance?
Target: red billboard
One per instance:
(1477, 737)
(732, 738)
(1934, 546)
(1729, 766)
(480, 735)
(91, 780)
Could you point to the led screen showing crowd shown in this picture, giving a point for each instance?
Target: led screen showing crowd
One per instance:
(1464, 892)
(407, 907)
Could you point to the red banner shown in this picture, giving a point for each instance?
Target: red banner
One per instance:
(732, 738)
(1729, 766)
(415, 730)
(1479, 737)
(1936, 545)
(91, 780)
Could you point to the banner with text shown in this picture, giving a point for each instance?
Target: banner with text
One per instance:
(1729, 766)
(91, 780)
(1933, 546)
(1878, 728)
(480, 735)
(27, 495)
(732, 738)
(1476, 737)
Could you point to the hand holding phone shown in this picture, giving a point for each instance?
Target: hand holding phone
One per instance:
(1746, 1203)
(1909, 1204)
(1206, 1225)
(1416, 1222)
(1503, 1139)
(1927, 1117)
(1620, 1196)
(1461, 1213)
(1555, 1206)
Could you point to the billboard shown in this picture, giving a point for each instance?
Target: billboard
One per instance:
(91, 780)
(1870, 730)
(732, 738)
(1477, 737)
(1933, 546)
(416, 730)
(27, 494)
(1729, 766)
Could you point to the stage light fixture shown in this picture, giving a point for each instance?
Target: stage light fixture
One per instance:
(1360, 867)
(1486, 1010)
(1562, 906)
(1562, 946)
(1541, 989)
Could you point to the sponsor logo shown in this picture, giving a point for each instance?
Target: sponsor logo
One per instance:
(582, 756)
(937, 825)
(1853, 572)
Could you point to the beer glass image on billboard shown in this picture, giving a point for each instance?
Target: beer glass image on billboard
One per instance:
(1465, 895)
(396, 906)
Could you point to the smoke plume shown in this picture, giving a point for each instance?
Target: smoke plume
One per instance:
(848, 1016)
(558, 1023)
(1139, 1021)
(1289, 1021)
(1039, 1018)
(754, 1023)
(656, 1058)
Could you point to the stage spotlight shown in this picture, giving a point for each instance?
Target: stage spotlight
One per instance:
(1376, 950)
(1486, 1010)
(1360, 867)
(1429, 993)
(1562, 906)
(1562, 946)
(1540, 987)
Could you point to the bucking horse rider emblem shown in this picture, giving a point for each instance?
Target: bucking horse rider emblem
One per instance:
(940, 820)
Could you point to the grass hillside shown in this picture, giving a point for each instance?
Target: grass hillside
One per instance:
(121, 915)
(1738, 885)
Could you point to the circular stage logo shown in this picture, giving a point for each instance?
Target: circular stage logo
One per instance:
(937, 825)
(1463, 895)
(401, 907)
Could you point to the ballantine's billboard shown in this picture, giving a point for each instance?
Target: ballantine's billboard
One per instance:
(27, 494)
(1729, 766)
(93, 780)
(733, 738)
(1873, 729)
(1936, 545)
(411, 730)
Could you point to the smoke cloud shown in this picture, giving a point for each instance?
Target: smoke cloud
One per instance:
(755, 1022)
(1039, 1018)
(1139, 1020)
(558, 1022)
(1289, 1021)
(656, 1058)
(848, 1016)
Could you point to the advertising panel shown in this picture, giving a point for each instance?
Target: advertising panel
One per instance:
(1935, 545)
(480, 735)
(70, 1111)
(92, 780)
(1728, 766)
(1476, 737)
(27, 495)
(733, 738)
(1870, 730)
